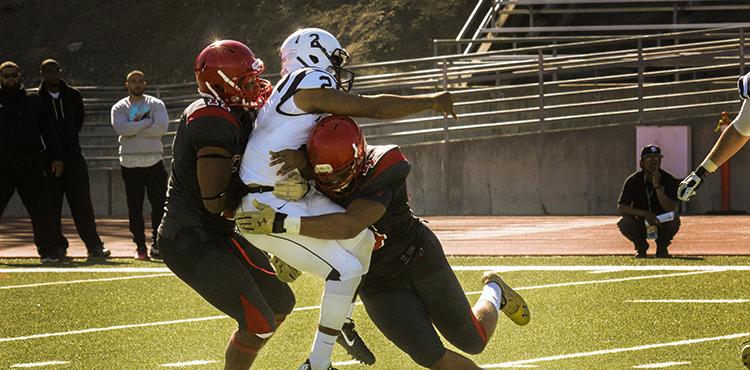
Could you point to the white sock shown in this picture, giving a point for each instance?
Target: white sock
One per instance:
(492, 293)
(349, 316)
(320, 357)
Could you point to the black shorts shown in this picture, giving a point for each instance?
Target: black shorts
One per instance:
(231, 275)
(424, 293)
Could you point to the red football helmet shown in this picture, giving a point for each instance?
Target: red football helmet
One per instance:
(228, 70)
(336, 152)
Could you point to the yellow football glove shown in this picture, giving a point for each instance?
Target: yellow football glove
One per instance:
(292, 187)
(256, 222)
(284, 271)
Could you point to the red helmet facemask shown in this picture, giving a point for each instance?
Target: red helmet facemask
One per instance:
(336, 152)
(228, 70)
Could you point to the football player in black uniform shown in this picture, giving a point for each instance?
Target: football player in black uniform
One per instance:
(409, 274)
(196, 237)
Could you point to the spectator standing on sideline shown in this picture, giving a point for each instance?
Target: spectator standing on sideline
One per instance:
(65, 110)
(646, 194)
(141, 120)
(22, 121)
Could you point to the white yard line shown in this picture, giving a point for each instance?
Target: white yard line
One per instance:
(615, 350)
(499, 268)
(661, 365)
(190, 363)
(603, 268)
(83, 281)
(38, 364)
(94, 330)
(689, 301)
(82, 269)
(308, 308)
(574, 283)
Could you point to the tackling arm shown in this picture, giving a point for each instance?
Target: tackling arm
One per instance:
(360, 214)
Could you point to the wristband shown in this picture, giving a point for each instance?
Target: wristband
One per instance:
(278, 223)
(708, 165)
(292, 224)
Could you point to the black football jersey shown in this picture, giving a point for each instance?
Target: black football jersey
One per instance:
(206, 122)
(384, 181)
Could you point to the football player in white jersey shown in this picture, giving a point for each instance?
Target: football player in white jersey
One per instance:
(314, 84)
(730, 142)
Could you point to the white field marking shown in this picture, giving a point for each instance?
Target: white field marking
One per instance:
(83, 281)
(83, 269)
(189, 363)
(573, 283)
(603, 268)
(346, 363)
(498, 268)
(661, 364)
(94, 330)
(37, 364)
(309, 308)
(689, 301)
(517, 229)
(129, 326)
(615, 350)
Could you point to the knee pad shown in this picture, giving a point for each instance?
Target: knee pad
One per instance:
(255, 322)
(245, 342)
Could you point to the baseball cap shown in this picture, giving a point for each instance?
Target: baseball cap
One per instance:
(651, 149)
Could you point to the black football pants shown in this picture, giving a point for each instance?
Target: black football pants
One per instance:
(406, 306)
(231, 275)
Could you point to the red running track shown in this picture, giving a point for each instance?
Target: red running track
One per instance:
(469, 235)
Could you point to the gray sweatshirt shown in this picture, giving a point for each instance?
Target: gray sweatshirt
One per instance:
(141, 125)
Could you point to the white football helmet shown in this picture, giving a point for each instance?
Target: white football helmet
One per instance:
(317, 48)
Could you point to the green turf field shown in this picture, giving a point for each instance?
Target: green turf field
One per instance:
(587, 313)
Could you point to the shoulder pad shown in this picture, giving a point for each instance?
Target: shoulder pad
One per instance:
(208, 107)
(743, 85)
(384, 157)
(315, 78)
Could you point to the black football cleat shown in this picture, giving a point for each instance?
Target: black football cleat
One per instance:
(354, 345)
(306, 366)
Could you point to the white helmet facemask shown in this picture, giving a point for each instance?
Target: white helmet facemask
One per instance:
(317, 48)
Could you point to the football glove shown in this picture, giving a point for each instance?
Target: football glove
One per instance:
(292, 187)
(691, 183)
(263, 221)
(284, 271)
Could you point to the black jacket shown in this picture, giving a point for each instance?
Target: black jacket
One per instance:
(66, 114)
(23, 125)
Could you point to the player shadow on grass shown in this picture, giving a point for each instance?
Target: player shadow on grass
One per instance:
(674, 257)
(74, 263)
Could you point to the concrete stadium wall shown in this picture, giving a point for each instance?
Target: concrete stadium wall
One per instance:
(573, 172)
(556, 173)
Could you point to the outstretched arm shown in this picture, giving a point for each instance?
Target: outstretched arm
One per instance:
(729, 143)
(384, 106)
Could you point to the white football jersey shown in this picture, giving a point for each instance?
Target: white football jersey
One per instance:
(281, 125)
